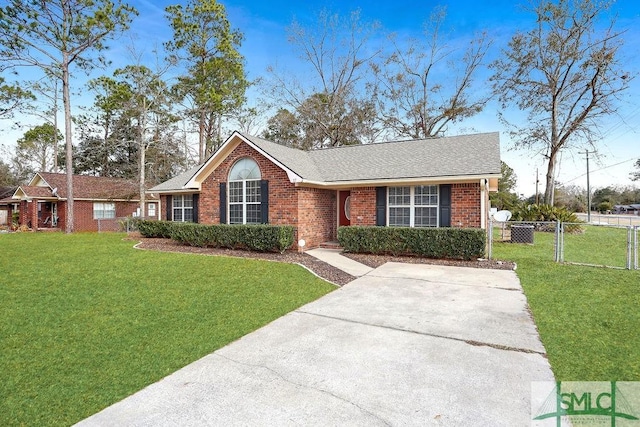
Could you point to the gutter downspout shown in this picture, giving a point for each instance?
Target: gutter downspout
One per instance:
(484, 190)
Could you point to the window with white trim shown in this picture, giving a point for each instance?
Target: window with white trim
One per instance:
(151, 210)
(415, 206)
(183, 208)
(244, 192)
(104, 210)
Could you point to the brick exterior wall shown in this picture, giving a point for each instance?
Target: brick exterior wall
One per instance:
(363, 206)
(82, 215)
(311, 211)
(283, 199)
(317, 211)
(465, 205)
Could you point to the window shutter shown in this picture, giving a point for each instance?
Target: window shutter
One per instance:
(264, 205)
(223, 203)
(445, 205)
(381, 206)
(169, 208)
(196, 199)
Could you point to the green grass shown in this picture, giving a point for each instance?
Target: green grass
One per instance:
(597, 245)
(588, 317)
(86, 320)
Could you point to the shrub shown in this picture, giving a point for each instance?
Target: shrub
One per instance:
(263, 238)
(604, 207)
(547, 213)
(544, 213)
(452, 243)
(153, 229)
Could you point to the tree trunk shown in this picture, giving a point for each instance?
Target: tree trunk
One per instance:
(551, 178)
(142, 177)
(68, 143)
(202, 139)
(55, 125)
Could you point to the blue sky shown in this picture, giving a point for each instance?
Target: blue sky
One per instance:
(264, 26)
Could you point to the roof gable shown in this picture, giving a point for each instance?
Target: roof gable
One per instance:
(258, 144)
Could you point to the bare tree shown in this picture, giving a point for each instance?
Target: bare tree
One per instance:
(421, 85)
(566, 74)
(338, 56)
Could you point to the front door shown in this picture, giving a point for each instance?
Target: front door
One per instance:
(344, 208)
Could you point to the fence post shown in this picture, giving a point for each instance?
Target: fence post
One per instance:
(629, 248)
(490, 238)
(558, 244)
(635, 247)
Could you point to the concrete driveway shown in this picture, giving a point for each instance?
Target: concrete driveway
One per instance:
(403, 345)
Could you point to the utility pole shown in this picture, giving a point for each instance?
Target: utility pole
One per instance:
(537, 181)
(586, 152)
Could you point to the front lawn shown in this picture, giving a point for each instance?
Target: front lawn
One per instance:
(588, 317)
(86, 320)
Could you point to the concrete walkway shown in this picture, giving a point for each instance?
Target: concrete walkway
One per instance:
(406, 344)
(336, 259)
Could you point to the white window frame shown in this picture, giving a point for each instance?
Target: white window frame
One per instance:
(151, 209)
(243, 196)
(104, 210)
(181, 207)
(413, 205)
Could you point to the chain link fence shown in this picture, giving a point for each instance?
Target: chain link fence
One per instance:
(126, 224)
(600, 244)
(540, 233)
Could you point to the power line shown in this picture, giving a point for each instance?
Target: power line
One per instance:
(598, 170)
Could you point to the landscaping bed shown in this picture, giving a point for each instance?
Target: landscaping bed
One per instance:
(377, 260)
(320, 268)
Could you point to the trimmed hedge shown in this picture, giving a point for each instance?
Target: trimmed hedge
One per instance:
(154, 229)
(263, 238)
(441, 243)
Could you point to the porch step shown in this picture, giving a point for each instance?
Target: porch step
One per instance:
(330, 245)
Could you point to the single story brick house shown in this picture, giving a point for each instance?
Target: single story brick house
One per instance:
(439, 182)
(98, 202)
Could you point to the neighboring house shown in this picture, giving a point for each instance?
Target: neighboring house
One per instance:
(98, 202)
(627, 209)
(440, 182)
(6, 203)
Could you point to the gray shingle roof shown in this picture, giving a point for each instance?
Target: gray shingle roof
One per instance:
(177, 182)
(464, 155)
(454, 156)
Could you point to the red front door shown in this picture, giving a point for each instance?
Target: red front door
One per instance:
(344, 207)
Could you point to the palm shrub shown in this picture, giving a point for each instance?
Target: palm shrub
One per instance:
(547, 213)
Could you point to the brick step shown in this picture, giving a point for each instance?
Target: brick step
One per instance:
(330, 245)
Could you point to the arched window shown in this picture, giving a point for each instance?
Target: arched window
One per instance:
(244, 192)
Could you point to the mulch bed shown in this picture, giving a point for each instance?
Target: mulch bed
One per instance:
(320, 268)
(377, 260)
